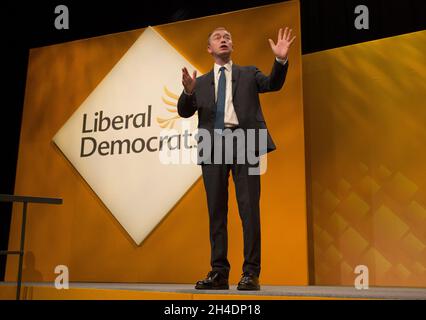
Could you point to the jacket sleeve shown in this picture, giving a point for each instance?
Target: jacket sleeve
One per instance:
(187, 105)
(274, 81)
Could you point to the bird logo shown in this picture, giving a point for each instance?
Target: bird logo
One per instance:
(170, 102)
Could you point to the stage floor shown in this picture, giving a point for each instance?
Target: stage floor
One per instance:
(84, 290)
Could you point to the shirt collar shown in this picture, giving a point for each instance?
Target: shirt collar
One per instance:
(228, 67)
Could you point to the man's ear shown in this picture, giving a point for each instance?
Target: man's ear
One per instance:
(209, 50)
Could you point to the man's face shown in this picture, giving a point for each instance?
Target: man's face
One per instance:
(220, 43)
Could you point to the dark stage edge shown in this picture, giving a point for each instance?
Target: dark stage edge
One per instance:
(266, 290)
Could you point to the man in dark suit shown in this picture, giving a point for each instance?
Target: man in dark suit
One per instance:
(227, 101)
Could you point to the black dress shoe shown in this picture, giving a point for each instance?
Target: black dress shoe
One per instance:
(214, 281)
(249, 281)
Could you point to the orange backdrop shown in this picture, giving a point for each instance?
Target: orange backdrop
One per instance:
(84, 235)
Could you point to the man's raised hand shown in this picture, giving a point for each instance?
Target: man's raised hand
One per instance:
(188, 81)
(283, 45)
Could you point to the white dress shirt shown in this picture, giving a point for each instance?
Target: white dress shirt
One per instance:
(230, 115)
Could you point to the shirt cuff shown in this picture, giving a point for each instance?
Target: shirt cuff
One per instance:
(188, 94)
(283, 62)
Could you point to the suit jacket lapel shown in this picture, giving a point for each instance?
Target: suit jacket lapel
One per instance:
(235, 77)
(210, 87)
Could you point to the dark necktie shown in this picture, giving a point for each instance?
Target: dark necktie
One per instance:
(220, 102)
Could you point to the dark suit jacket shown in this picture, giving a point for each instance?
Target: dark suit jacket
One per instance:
(247, 83)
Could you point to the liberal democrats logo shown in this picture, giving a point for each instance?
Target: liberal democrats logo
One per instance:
(114, 138)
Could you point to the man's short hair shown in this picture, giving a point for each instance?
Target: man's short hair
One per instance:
(215, 29)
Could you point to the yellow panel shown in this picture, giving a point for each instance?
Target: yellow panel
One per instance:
(49, 293)
(365, 115)
(7, 292)
(249, 297)
(40, 293)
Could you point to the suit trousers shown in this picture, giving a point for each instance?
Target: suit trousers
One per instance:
(247, 187)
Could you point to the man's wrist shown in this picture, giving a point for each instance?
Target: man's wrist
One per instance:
(187, 93)
(282, 61)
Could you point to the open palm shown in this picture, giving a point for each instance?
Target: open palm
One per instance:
(284, 42)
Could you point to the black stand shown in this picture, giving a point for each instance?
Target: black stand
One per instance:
(25, 200)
